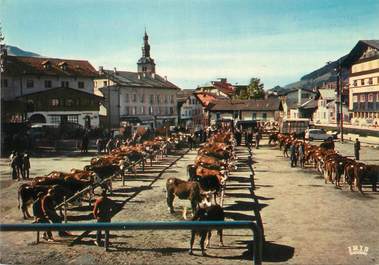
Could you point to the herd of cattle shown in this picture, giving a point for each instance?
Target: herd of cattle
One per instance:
(207, 176)
(99, 173)
(333, 165)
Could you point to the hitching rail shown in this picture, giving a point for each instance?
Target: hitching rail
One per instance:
(257, 247)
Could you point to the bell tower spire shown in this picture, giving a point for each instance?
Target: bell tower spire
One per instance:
(146, 64)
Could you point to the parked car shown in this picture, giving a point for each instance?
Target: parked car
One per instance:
(319, 134)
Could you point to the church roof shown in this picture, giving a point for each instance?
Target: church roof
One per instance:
(134, 79)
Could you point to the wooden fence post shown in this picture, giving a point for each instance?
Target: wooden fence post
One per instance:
(37, 241)
(65, 209)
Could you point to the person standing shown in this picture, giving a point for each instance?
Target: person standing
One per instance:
(12, 163)
(48, 207)
(293, 155)
(257, 139)
(301, 154)
(26, 166)
(85, 143)
(39, 216)
(18, 164)
(103, 211)
(357, 148)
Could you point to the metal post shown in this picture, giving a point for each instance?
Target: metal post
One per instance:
(341, 110)
(37, 241)
(65, 209)
(257, 246)
(90, 197)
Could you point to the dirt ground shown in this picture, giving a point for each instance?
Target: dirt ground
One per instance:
(305, 221)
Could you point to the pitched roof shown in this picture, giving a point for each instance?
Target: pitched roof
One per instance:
(205, 97)
(182, 95)
(224, 87)
(357, 51)
(270, 104)
(134, 79)
(310, 104)
(19, 65)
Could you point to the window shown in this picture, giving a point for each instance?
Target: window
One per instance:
(127, 110)
(370, 97)
(69, 102)
(80, 84)
(171, 98)
(142, 98)
(362, 82)
(126, 98)
(105, 83)
(370, 81)
(5, 82)
(355, 83)
(55, 119)
(47, 83)
(355, 98)
(54, 102)
(73, 118)
(64, 84)
(29, 83)
(165, 99)
(134, 110)
(151, 99)
(134, 98)
(171, 110)
(142, 110)
(264, 116)
(151, 110)
(144, 68)
(362, 98)
(254, 116)
(158, 100)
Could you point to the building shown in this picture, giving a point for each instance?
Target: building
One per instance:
(242, 110)
(297, 103)
(326, 108)
(363, 65)
(49, 90)
(141, 97)
(205, 99)
(190, 111)
(219, 88)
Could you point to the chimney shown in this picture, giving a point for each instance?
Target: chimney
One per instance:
(299, 96)
(115, 70)
(101, 70)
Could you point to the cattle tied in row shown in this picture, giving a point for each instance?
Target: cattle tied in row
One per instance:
(66, 184)
(206, 176)
(333, 165)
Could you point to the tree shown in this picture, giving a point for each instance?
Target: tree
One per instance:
(253, 91)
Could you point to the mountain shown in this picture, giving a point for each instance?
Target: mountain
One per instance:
(15, 51)
(319, 76)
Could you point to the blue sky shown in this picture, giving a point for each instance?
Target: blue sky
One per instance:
(195, 41)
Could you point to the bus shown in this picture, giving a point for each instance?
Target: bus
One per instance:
(290, 126)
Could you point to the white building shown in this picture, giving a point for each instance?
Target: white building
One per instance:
(190, 110)
(326, 108)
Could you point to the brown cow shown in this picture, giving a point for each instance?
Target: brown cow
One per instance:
(184, 190)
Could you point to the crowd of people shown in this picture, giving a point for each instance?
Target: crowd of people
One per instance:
(20, 165)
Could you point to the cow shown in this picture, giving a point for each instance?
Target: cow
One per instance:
(27, 194)
(206, 213)
(184, 190)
